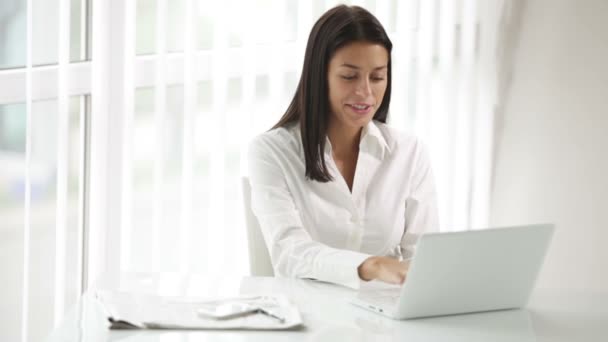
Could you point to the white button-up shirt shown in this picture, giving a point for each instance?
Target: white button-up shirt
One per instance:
(322, 230)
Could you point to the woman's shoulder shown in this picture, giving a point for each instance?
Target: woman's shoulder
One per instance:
(398, 139)
(277, 139)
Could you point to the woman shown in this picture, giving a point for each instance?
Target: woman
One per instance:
(336, 190)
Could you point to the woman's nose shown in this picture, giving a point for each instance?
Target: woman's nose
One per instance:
(364, 87)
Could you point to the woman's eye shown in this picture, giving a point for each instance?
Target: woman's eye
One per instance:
(349, 77)
(377, 78)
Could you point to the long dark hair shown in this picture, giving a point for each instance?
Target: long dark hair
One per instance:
(310, 107)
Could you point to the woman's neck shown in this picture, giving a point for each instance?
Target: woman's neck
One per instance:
(344, 141)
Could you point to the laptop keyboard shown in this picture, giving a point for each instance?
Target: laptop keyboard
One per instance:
(381, 297)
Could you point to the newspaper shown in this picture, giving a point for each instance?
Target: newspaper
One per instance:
(125, 310)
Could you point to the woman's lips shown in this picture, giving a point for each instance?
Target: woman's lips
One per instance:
(360, 108)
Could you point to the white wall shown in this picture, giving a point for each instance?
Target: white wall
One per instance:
(552, 140)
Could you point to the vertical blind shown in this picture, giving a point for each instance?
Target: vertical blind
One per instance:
(134, 133)
(44, 91)
(199, 91)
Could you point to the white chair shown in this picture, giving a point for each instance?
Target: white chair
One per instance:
(259, 259)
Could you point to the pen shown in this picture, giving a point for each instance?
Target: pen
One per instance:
(270, 314)
(243, 313)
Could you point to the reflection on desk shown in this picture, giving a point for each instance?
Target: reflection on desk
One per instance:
(329, 316)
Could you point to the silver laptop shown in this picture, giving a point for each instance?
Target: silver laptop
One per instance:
(463, 272)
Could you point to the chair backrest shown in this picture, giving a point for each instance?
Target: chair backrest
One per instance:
(259, 259)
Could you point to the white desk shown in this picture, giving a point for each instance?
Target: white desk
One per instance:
(328, 316)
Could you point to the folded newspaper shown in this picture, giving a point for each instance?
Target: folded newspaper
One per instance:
(126, 310)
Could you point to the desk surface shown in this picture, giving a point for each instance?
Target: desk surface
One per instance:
(329, 316)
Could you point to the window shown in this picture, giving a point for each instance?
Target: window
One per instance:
(123, 126)
(43, 117)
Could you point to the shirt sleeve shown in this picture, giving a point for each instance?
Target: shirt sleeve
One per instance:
(421, 214)
(292, 250)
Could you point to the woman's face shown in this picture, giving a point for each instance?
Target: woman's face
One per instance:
(357, 79)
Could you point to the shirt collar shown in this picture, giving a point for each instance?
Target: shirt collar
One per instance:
(372, 141)
(372, 135)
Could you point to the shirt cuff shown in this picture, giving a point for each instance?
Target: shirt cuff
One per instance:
(341, 268)
(409, 242)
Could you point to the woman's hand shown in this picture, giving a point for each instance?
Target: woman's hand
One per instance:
(385, 269)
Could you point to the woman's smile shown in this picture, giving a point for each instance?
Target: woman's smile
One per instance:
(360, 108)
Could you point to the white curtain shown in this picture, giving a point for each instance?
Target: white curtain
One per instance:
(454, 98)
(43, 98)
(151, 112)
(191, 82)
